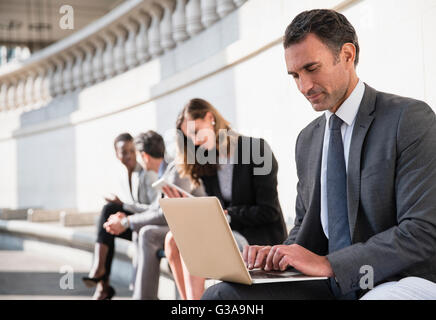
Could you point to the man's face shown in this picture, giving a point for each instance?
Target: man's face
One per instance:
(321, 76)
(126, 153)
(145, 159)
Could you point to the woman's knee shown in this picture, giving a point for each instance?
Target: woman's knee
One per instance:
(171, 250)
(109, 209)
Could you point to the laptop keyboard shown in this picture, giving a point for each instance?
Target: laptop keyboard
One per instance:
(262, 274)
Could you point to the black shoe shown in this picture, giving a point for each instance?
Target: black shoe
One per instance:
(92, 282)
(110, 294)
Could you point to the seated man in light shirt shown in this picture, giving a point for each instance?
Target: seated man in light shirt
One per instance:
(114, 218)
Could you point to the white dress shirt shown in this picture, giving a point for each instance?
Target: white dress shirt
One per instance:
(347, 112)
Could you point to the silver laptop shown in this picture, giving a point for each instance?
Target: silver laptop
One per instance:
(207, 245)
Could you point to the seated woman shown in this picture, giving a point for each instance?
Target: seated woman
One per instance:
(240, 171)
(115, 215)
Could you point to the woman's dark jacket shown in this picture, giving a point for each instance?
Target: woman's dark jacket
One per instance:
(255, 209)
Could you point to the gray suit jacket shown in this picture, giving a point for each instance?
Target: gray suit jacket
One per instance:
(391, 193)
(142, 194)
(154, 215)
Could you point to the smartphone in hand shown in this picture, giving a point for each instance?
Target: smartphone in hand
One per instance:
(159, 184)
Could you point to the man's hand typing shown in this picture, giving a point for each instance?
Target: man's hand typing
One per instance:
(280, 257)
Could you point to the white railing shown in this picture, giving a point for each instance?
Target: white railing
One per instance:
(130, 35)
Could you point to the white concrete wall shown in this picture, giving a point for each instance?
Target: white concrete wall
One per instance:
(237, 65)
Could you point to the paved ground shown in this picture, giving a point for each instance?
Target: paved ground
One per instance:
(35, 275)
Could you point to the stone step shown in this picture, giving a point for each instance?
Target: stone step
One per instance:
(13, 214)
(25, 234)
(73, 219)
(40, 215)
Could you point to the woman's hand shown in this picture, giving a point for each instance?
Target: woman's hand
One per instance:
(113, 199)
(171, 192)
(113, 224)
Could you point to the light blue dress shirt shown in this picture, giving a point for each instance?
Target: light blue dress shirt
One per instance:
(347, 112)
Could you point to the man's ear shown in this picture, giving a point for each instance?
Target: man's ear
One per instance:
(117, 155)
(145, 156)
(349, 53)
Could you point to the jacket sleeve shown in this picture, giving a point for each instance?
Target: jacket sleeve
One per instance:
(152, 216)
(147, 193)
(266, 209)
(135, 207)
(413, 239)
(300, 210)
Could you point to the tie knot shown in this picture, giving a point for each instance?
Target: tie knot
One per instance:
(335, 122)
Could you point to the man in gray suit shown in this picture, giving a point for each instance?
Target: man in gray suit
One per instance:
(149, 226)
(366, 192)
(153, 228)
(114, 218)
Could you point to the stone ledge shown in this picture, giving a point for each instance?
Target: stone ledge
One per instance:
(49, 232)
(13, 214)
(72, 219)
(82, 238)
(76, 237)
(40, 215)
(67, 218)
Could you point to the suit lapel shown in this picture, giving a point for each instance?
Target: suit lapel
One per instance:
(212, 186)
(216, 187)
(315, 158)
(135, 183)
(363, 122)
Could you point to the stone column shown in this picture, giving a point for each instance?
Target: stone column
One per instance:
(142, 53)
(130, 47)
(29, 89)
(47, 82)
(57, 79)
(239, 2)
(19, 93)
(78, 68)
(193, 17)
(38, 85)
(11, 94)
(179, 22)
(208, 12)
(166, 25)
(67, 73)
(154, 45)
(50, 77)
(87, 64)
(3, 96)
(108, 56)
(97, 60)
(224, 7)
(119, 50)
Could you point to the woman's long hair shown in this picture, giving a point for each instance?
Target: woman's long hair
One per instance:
(186, 149)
